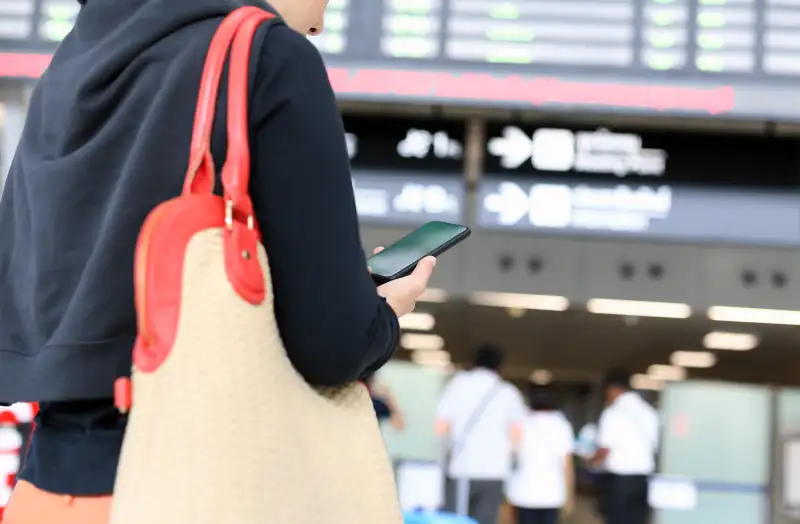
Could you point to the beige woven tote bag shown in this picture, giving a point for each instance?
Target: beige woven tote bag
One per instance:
(222, 429)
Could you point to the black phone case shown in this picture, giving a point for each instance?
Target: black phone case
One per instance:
(383, 279)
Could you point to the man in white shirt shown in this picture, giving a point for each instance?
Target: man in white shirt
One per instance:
(473, 418)
(627, 441)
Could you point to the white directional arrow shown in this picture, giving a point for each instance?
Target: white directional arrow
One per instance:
(513, 148)
(511, 203)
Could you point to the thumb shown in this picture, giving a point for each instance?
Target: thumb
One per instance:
(422, 273)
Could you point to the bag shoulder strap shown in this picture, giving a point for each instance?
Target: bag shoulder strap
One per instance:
(241, 239)
(476, 415)
(170, 226)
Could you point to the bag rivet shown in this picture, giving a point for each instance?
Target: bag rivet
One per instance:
(246, 255)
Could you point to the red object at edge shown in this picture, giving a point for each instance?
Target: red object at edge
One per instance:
(123, 394)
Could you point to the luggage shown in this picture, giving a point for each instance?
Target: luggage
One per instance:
(425, 517)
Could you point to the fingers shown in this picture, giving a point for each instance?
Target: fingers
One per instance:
(422, 273)
(426, 265)
(374, 252)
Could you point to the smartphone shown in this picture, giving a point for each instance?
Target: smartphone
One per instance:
(400, 259)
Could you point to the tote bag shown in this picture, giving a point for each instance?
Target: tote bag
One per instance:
(222, 429)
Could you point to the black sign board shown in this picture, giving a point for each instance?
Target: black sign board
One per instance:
(671, 186)
(385, 143)
(406, 172)
(35, 25)
(675, 213)
(644, 156)
(408, 199)
(657, 56)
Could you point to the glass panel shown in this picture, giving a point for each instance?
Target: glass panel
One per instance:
(719, 435)
(727, 508)
(717, 432)
(416, 390)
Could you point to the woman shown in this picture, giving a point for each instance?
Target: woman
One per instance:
(542, 484)
(386, 407)
(106, 140)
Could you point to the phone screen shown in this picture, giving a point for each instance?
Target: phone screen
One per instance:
(400, 258)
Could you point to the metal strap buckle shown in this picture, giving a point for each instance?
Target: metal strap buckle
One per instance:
(229, 207)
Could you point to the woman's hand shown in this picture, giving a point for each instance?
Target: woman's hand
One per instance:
(402, 294)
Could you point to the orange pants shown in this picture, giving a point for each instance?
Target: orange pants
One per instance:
(30, 505)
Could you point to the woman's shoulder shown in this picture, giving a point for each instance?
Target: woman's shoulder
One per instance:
(283, 47)
(290, 68)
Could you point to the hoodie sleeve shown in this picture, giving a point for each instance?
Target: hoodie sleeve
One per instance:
(333, 323)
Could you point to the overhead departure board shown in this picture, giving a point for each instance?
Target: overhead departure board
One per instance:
(642, 184)
(407, 172)
(56, 19)
(337, 20)
(684, 57)
(412, 28)
(16, 20)
(35, 24)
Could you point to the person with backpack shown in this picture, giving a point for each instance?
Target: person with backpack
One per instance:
(474, 414)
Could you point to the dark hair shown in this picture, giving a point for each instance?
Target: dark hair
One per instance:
(541, 398)
(488, 357)
(617, 377)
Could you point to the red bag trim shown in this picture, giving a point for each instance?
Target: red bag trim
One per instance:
(162, 243)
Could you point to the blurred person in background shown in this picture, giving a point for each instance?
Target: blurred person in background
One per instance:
(543, 482)
(386, 407)
(627, 441)
(473, 416)
(586, 444)
(106, 140)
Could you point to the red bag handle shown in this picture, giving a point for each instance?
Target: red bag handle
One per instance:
(236, 171)
(241, 236)
(200, 174)
(236, 31)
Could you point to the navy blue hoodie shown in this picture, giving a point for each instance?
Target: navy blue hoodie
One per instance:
(106, 140)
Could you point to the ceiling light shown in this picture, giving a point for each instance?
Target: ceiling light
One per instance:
(433, 295)
(519, 301)
(754, 315)
(646, 382)
(516, 312)
(693, 359)
(664, 372)
(541, 377)
(421, 342)
(440, 360)
(417, 322)
(730, 341)
(606, 306)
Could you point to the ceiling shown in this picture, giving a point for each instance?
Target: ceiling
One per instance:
(576, 345)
